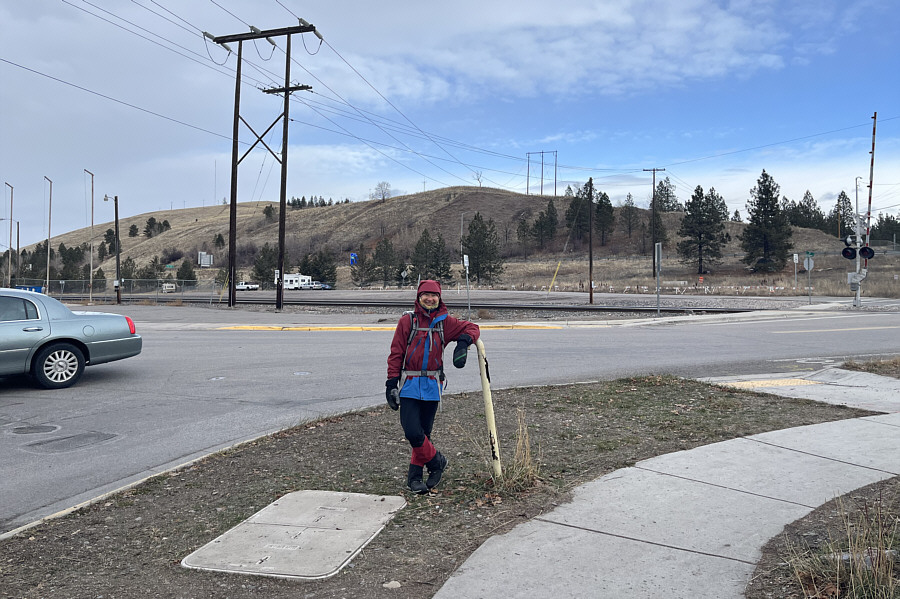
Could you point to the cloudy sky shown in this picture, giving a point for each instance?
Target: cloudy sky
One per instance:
(426, 95)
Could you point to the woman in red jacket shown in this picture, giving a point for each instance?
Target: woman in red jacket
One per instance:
(416, 374)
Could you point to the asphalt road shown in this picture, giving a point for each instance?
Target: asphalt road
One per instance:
(199, 387)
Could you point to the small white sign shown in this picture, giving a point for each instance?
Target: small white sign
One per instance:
(796, 258)
(466, 260)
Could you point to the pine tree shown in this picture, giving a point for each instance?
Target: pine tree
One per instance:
(666, 200)
(387, 263)
(578, 213)
(150, 227)
(431, 258)
(264, 265)
(524, 232)
(545, 225)
(552, 219)
(703, 228)
(811, 216)
(321, 266)
(482, 243)
(604, 217)
(364, 270)
(628, 216)
(186, 271)
(886, 227)
(841, 220)
(766, 239)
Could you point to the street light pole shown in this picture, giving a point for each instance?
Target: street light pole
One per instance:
(91, 271)
(9, 264)
(49, 214)
(118, 284)
(856, 299)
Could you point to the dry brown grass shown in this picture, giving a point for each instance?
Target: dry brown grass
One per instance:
(623, 264)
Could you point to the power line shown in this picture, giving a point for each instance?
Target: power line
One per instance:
(396, 148)
(231, 13)
(148, 9)
(777, 143)
(380, 122)
(110, 98)
(391, 104)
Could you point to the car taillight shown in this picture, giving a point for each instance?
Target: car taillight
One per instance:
(130, 325)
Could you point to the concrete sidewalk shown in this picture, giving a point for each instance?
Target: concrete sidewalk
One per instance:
(692, 524)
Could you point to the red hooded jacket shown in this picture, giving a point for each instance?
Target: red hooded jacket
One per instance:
(426, 343)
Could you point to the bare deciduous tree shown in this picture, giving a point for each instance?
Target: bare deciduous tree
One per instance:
(382, 191)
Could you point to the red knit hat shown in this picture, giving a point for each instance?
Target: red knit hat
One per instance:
(428, 286)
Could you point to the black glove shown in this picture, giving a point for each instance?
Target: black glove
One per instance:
(462, 350)
(392, 392)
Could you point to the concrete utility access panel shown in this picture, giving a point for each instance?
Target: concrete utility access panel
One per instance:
(305, 535)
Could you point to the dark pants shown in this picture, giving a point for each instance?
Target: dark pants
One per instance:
(417, 419)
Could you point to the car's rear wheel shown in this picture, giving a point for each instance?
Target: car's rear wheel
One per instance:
(58, 366)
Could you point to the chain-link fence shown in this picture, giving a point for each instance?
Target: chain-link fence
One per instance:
(131, 289)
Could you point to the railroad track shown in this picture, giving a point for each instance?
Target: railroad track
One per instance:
(243, 300)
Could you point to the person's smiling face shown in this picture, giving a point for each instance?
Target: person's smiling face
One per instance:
(429, 300)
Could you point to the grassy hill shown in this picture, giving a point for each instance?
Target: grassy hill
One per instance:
(343, 228)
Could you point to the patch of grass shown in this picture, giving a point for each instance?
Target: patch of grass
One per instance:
(889, 367)
(861, 564)
(552, 438)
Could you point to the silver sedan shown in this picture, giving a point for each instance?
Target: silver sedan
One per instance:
(41, 337)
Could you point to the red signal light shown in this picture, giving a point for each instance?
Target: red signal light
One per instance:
(849, 253)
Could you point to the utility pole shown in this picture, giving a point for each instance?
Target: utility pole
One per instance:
(653, 213)
(555, 165)
(590, 200)
(871, 183)
(857, 230)
(49, 214)
(255, 34)
(9, 264)
(528, 170)
(118, 283)
(91, 268)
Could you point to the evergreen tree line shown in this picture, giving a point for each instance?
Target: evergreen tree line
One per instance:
(765, 240)
(313, 202)
(431, 258)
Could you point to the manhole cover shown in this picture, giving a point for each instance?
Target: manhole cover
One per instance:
(34, 429)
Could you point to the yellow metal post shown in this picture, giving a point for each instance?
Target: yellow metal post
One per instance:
(489, 410)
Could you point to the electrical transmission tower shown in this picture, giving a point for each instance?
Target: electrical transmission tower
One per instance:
(254, 34)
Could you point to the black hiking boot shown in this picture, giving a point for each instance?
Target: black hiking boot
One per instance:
(414, 480)
(436, 468)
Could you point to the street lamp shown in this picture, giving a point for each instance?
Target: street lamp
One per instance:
(118, 283)
(9, 265)
(49, 213)
(91, 271)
